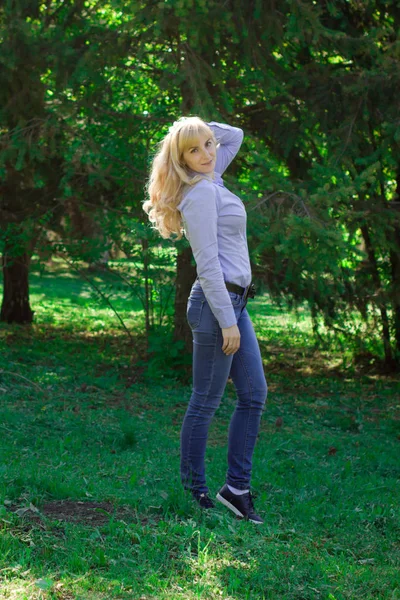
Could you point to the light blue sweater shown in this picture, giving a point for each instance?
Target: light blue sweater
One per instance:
(214, 221)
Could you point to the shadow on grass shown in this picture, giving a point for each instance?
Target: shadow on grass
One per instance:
(100, 353)
(96, 338)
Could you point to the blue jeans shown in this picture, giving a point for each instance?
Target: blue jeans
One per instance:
(211, 369)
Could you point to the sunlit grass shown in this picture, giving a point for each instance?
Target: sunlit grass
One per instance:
(75, 426)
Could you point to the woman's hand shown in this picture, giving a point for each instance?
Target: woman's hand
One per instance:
(231, 342)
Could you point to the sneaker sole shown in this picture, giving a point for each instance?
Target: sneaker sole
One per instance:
(234, 509)
(230, 506)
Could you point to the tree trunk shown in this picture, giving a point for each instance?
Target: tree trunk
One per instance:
(15, 307)
(86, 228)
(185, 276)
(382, 307)
(185, 272)
(147, 299)
(395, 268)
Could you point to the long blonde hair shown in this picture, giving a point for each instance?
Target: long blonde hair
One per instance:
(168, 175)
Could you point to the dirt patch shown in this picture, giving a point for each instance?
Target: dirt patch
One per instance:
(91, 513)
(87, 513)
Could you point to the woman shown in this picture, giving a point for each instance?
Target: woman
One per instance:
(186, 188)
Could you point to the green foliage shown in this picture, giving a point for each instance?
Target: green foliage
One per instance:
(153, 278)
(166, 357)
(325, 118)
(87, 91)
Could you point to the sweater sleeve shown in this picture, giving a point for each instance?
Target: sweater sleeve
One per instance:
(199, 215)
(230, 139)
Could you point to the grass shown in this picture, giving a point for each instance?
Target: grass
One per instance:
(91, 505)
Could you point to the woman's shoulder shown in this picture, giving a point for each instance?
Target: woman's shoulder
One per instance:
(195, 190)
(204, 182)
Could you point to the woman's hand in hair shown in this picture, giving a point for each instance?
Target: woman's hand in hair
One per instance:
(231, 342)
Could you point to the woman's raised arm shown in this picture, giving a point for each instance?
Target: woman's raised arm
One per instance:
(230, 139)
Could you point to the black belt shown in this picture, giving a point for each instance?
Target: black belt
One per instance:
(232, 287)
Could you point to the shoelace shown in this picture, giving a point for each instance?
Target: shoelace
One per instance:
(250, 503)
(251, 500)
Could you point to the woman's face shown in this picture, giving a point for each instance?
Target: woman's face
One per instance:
(201, 155)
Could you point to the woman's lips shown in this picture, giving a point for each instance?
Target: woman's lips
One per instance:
(206, 164)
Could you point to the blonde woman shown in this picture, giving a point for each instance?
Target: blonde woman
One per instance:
(186, 189)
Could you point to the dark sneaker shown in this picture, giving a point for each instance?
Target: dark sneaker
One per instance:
(242, 505)
(203, 499)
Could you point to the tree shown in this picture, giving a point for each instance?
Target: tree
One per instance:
(319, 95)
(55, 58)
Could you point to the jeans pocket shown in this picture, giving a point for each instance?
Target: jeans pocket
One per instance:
(194, 311)
(235, 298)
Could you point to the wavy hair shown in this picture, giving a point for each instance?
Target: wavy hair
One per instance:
(168, 175)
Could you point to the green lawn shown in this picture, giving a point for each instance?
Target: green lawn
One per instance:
(91, 505)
